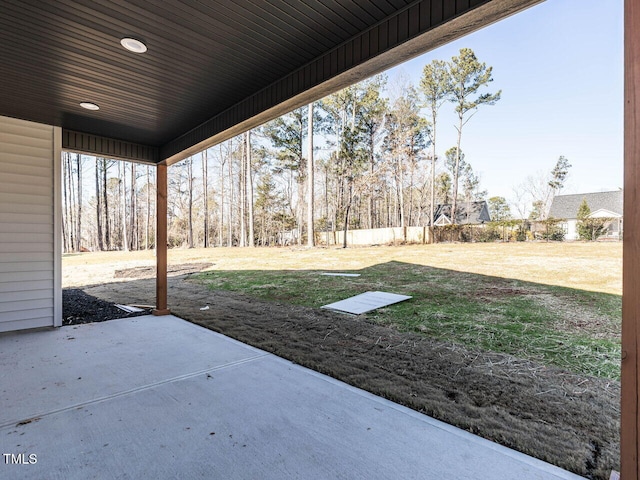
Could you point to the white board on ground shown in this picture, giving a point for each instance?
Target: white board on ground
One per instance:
(129, 308)
(365, 302)
(336, 274)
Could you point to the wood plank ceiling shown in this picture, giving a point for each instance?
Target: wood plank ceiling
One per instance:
(210, 64)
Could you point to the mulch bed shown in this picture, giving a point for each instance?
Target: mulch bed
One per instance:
(569, 420)
(79, 307)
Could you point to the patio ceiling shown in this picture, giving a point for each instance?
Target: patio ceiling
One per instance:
(213, 68)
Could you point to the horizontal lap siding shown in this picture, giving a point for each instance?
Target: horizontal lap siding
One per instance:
(27, 227)
(26, 286)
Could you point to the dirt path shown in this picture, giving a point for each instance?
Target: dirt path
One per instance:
(559, 417)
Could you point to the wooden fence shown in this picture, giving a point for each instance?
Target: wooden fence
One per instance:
(376, 236)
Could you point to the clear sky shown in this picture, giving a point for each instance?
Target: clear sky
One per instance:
(560, 68)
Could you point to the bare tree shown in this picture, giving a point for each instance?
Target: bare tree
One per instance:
(133, 216)
(242, 191)
(436, 86)
(99, 206)
(190, 202)
(468, 75)
(223, 159)
(108, 239)
(65, 203)
(79, 198)
(250, 190)
(205, 198)
(123, 206)
(230, 241)
(310, 179)
(148, 212)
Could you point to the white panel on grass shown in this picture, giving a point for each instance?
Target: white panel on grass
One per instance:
(128, 308)
(365, 302)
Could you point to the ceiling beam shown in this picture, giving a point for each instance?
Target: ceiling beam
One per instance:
(86, 143)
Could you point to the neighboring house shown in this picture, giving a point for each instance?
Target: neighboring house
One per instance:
(468, 213)
(601, 204)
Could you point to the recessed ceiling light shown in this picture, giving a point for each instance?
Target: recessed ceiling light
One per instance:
(133, 45)
(89, 106)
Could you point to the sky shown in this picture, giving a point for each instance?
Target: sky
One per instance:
(560, 69)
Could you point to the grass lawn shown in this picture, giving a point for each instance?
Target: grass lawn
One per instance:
(555, 303)
(481, 301)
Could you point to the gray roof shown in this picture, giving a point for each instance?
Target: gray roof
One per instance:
(566, 206)
(467, 213)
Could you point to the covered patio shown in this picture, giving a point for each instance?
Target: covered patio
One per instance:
(156, 84)
(158, 397)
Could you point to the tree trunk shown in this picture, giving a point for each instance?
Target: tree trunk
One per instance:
(71, 226)
(230, 241)
(326, 201)
(300, 210)
(456, 175)
(400, 190)
(371, 182)
(205, 198)
(123, 196)
(65, 208)
(221, 229)
(412, 170)
(250, 191)
(73, 206)
(105, 202)
(311, 179)
(346, 218)
(243, 192)
(433, 177)
(133, 221)
(99, 206)
(79, 215)
(148, 219)
(190, 205)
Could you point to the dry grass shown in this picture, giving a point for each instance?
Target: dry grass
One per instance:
(594, 267)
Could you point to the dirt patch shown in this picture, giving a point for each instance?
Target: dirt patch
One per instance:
(573, 316)
(150, 271)
(569, 420)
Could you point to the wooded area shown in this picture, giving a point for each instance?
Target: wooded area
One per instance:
(376, 165)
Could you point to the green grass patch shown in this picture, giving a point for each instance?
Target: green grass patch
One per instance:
(573, 329)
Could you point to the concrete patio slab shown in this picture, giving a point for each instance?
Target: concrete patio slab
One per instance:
(158, 397)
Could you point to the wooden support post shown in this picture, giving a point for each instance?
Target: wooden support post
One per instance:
(161, 242)
(630, 418)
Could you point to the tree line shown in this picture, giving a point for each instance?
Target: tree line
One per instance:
(363, 157)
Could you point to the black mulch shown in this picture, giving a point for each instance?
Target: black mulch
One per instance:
(79, 307)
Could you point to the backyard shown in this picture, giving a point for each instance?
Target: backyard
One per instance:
(519, 343)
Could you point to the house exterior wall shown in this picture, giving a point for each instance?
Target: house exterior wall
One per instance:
(614, 229)
(571, 230)
(30, 253)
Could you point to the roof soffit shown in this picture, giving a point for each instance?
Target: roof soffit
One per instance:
(213, 69)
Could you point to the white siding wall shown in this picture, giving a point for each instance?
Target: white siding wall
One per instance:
(30, 291)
